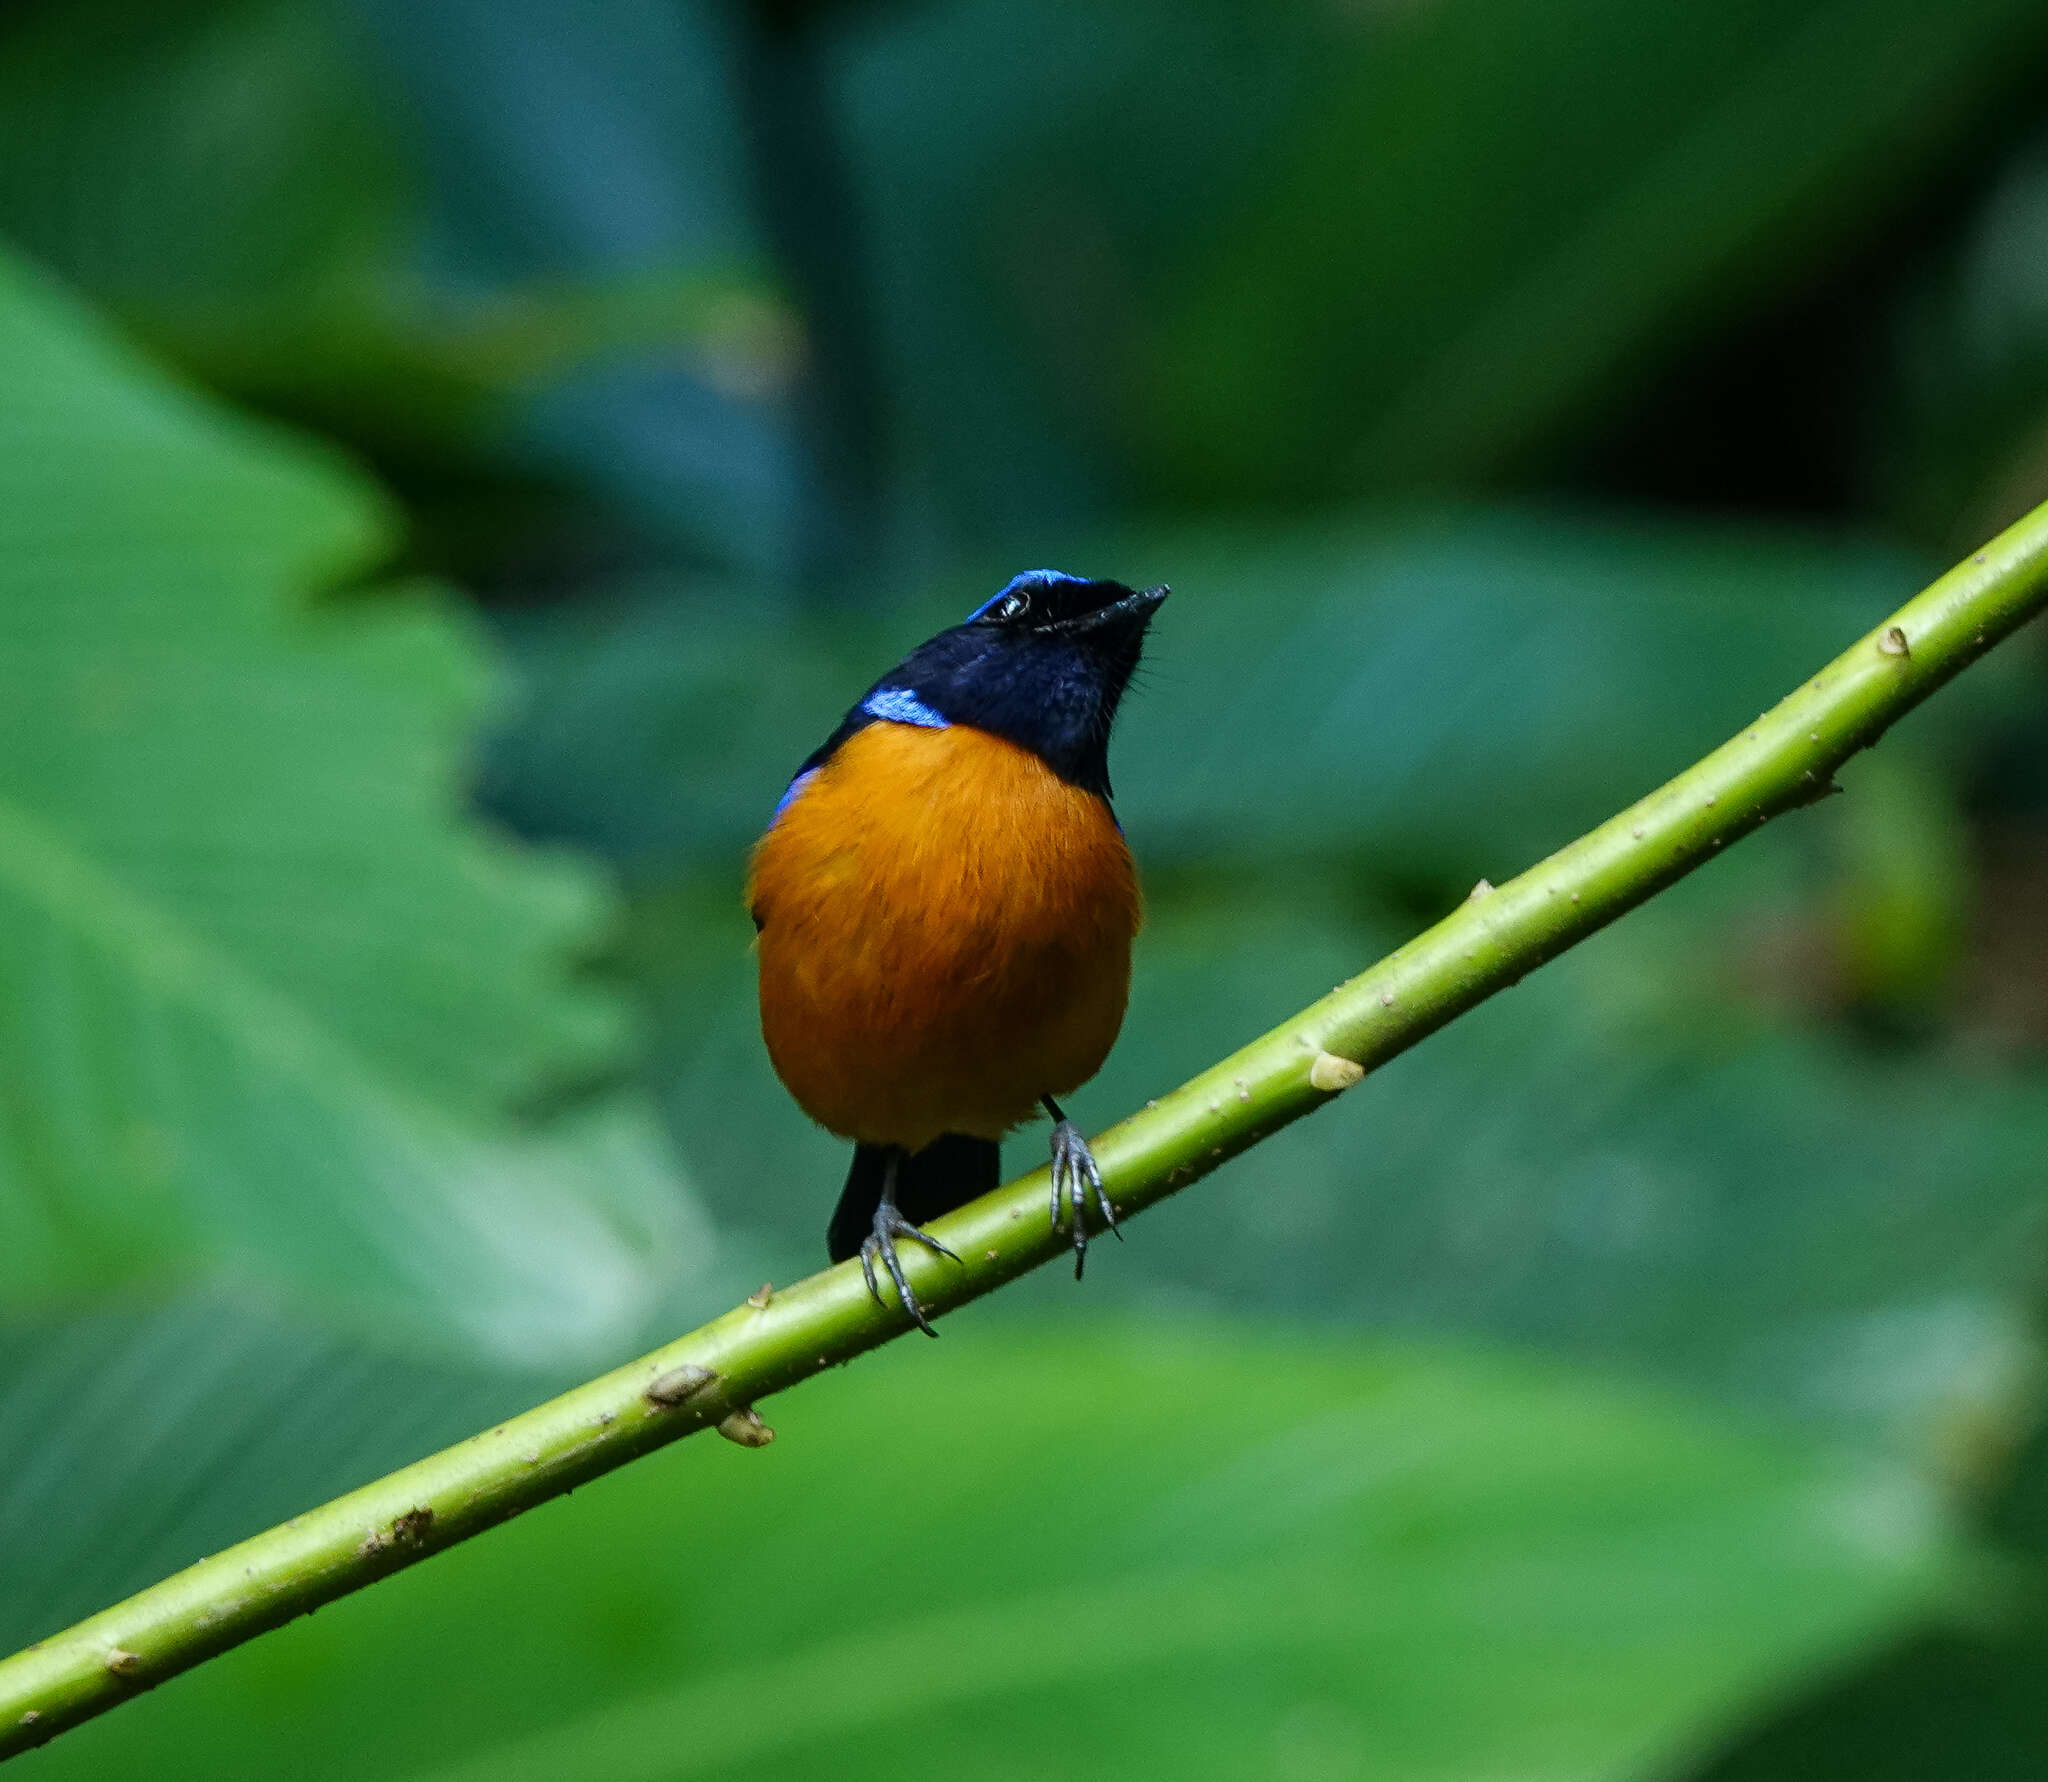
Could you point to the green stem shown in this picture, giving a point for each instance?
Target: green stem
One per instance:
(1786, 758)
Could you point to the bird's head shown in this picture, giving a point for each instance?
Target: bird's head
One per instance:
(1043, 663)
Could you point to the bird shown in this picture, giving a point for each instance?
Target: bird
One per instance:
(944, 906)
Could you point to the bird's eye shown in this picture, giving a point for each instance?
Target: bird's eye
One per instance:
(1014, 606)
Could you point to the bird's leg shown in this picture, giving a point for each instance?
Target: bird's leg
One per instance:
(890, 1225)
(1075, 1179)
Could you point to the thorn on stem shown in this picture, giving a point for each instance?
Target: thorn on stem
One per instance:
(1812, 791)
(761, 1295)
(747, 1429)
(1893, 641)
(122, 1662)
(1483, 889)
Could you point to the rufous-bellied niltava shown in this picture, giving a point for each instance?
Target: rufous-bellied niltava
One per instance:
(945, 908)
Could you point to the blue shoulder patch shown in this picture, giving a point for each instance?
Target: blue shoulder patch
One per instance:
(1030, 578)
(898, 705)
(790, 791)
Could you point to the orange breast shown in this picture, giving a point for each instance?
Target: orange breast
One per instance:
(945, 936)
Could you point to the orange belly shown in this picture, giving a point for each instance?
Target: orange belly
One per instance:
(945, 937)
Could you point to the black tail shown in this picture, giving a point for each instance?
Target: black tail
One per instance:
(947, 1173)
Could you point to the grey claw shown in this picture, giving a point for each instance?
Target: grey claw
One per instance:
(1107, 1211)
(1076, 1179)
(930, 1243)
(889, 1226)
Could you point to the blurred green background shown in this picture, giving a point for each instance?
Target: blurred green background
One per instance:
(456, 458)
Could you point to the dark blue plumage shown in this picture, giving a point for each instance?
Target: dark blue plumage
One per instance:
(1043, 664)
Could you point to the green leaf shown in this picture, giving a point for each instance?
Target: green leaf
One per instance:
(1464, 689)
(367, 223)
(143, 1435)
(1162, 1550)
(1499, 212)
(1618, 1159)
(1945, 1702)
(264, 993)
(1959, 1693)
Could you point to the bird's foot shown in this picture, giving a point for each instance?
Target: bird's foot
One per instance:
(1075, 1181)
(889, 1226)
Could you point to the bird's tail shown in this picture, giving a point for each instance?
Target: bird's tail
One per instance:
(947, 1173)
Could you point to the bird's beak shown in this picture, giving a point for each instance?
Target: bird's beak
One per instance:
(1131, 612)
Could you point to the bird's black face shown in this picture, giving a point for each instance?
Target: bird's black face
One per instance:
(1044, 664)
(1045, 603)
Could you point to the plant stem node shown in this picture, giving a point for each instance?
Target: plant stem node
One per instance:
(1329, 1073)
